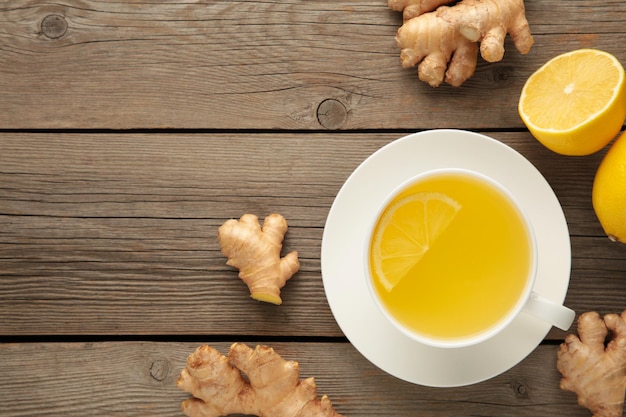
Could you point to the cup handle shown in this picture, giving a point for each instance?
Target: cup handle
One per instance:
(556, 314)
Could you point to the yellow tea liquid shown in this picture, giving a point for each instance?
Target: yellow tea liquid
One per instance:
(475, 272)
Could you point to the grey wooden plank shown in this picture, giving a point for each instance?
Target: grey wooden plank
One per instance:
(139, 379)
(116, 233)
(259, 65)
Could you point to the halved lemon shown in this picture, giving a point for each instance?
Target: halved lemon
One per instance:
(405, 232)
(575, 104)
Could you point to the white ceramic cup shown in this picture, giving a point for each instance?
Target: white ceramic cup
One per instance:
(529, 301)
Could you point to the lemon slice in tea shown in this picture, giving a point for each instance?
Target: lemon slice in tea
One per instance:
(405, 232)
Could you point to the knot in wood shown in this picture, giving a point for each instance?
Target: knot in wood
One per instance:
(331, 114)
(53, 26)
(520, 389)
(502, 76)
(160, 369)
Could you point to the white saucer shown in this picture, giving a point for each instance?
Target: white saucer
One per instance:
(354, 209)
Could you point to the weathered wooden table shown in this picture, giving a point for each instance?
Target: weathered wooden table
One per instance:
(131, 130)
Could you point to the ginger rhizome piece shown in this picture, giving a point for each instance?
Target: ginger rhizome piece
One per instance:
(594, 366)
(434, 35)
(414, 8)
(271, 385)
(432, 42)
(255, 251)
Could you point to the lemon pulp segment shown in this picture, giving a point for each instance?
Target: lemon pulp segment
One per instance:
(405, 232)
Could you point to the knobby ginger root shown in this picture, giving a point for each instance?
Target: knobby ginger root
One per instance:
(271, 385)
(595, 372)
(414, 8)
(432, 42)
(434, 35)
(488, 22)
(255, 251)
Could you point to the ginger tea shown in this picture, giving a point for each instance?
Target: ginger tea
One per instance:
(450, 256)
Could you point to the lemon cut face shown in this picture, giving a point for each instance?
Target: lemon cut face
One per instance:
(405, 232)
(575, 104)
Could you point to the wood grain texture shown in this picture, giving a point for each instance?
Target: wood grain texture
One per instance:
(139, 379)
(116, 233)
(330, 64)
(110, 268)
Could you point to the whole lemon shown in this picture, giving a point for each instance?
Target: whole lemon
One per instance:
(609, 191)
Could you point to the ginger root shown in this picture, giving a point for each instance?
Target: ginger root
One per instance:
(594, 371)
(255, 251)
(432, 42)
(434, 35)
(271, 385)
(414, 8)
